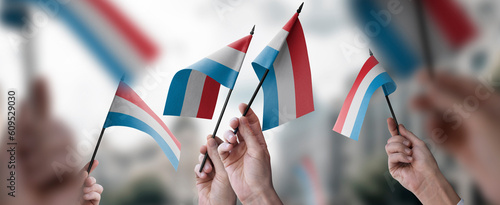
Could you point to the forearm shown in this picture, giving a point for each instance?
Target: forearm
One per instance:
(268, 196)
(437, 190)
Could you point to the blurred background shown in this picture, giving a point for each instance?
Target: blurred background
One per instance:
(311, 164)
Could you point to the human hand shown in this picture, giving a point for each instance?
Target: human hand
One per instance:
(463, 118)
(91, 190)
(412, 164)
(213, 183)
(247, 161)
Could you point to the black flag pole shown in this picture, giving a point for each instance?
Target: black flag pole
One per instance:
(220, 116)
(390, 106)
(424, 37)
(101, 134)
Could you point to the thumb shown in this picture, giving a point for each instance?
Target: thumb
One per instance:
(253, 138)
(214, 155)
(94, 165)
(409, 135)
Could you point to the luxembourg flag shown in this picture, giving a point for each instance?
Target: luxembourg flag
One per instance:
(118, 44)
(288, 85)
(352, 114)
(129, 110)
(194, 90)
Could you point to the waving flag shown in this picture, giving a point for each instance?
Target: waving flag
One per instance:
(395, 33)
(129, 110)
(352, 114)
(109, 34)
(288, 85)
(310, 180)
(194, 90)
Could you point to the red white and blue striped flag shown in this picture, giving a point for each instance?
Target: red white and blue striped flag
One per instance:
(129, 110)
(352, 114)
(194, 90)
(110, 35)
(288, 85)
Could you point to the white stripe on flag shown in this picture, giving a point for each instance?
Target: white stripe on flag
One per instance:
(229, 57)
(110, 37)
(286, 85)
(123, 106)
(358, 98)
(278, 40)
(194, 90)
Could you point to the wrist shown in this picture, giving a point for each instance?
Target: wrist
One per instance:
(264, 196)
(436, 190)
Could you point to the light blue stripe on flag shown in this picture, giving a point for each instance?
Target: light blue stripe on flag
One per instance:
(389, 87)
(402, 58)
(263, 62)
(220, 73)
(98, 48)
(119, 119)
(176, 93)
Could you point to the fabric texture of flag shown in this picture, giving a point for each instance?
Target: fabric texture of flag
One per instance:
(194, 90)
(119, 45)
(288, 85)
(370, 78)
(129, 110)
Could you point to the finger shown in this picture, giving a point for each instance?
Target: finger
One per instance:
(94, 165)
(230, 137)
(399, 139)
(224, 150)
(214, 155)
(234, 123)
(252, 117)
(399, 158)
(397, 148)
(391, 125)
(94, 188)
(201, 175)
(251, 135)
(218, 140)
(90, 181)
(93, 196)
(41, 98)
(410, 136)
(203, 149)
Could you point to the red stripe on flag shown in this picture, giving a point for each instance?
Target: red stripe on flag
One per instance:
(125, 92)
(208, 98)
(369, 64)
(288, 26)
(452, 21)
(145, 47)
(242, 44)
(301, 70)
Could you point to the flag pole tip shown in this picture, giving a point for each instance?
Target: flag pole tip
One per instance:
(371, 53)
(253, 29)
(300, 8)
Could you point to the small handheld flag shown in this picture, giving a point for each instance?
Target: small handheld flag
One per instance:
(129, 110)
(194, 90)
(288, 86)
(370, 78)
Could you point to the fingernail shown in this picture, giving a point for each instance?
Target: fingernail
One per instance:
(211, 143)
(206, 167)
(406, 142)
(407, 150)
(234, 119)
(227, 146)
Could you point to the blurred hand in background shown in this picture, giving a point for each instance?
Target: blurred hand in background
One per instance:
(464, 118)
(43, 141)
(247, 161)
(412, 164)
(213, 183)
